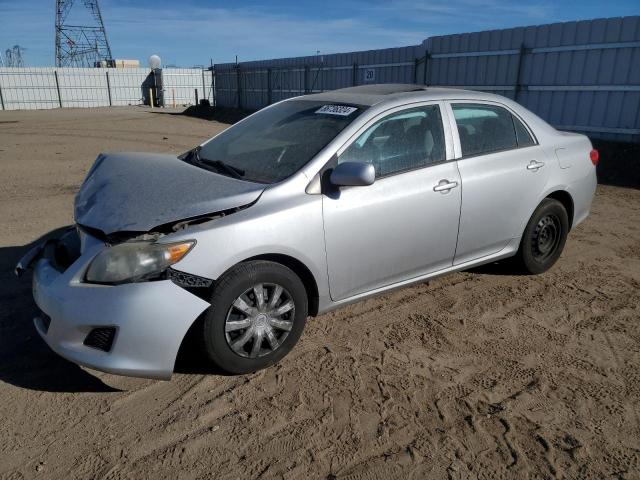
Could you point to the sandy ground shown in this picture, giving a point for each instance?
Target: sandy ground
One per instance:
(477, 375)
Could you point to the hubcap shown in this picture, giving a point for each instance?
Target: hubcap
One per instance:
(259, 320)
(546, 237)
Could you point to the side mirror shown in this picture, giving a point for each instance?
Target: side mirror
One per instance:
(353, 174)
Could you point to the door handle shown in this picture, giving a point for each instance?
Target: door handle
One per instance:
(534, 165)
(444, 186)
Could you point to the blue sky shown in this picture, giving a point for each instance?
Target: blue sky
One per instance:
(191, 32)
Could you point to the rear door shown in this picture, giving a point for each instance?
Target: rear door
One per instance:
(406, 223)
(503, 170)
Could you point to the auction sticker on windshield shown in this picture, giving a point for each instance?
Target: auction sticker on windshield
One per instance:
(341, 110)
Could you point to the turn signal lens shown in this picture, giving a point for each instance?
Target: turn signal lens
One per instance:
(594, 156)
(177, 251)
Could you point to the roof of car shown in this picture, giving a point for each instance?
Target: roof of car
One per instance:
(373, 94)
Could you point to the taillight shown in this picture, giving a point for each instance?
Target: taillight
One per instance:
(594, 156)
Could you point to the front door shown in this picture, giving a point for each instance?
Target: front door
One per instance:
(406, 223)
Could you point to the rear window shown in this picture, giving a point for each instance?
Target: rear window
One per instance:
(484, 128)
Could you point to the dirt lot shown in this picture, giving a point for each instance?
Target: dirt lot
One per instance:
(479, 374)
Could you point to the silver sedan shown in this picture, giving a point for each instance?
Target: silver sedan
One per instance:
(312, 203)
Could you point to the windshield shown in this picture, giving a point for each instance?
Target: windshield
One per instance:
(276, 142)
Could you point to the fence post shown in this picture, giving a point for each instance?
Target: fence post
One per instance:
(354, 74)
(1, 98)
(238, 89)
(269, 92)
(204, 88)
(214, 94)
(109, 89)
(427, 58)
(196, 92)
(55, 73)
(306, 79)
(518, 85)
(416, 62)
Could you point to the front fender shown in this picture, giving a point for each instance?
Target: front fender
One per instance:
(295, 231)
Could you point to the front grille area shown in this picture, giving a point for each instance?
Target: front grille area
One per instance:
(101, 338)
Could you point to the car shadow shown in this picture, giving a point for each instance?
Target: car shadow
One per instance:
(191, 358)
(618, 165)
(25, 359)
(501, 268)
(218, 114)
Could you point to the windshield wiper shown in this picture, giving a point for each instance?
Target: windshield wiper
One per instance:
(193, 156)
(235, 172)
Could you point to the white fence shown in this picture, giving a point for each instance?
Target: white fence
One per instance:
(47, 87)
(181, 86)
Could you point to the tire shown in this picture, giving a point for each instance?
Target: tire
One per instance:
(544, 237)
(232, 328)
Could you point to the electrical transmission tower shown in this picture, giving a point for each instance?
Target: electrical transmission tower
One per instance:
(13, 57)
(80, 45)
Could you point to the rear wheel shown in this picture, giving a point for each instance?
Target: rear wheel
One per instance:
(544, 237)
(258, 311)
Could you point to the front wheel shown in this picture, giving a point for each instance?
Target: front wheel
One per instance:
(544, 237)
(257, 314)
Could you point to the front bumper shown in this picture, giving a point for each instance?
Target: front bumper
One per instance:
(150, 318)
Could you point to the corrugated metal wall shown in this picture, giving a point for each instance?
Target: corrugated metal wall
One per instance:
(268, 81)
(37, 88)
(582, 76)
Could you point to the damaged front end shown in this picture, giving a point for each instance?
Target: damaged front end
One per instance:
(61, 251)
(97, 252)
(136, 192)
(109, 291)
(128, 203)
(130, 326)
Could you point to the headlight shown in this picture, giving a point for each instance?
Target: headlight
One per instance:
(129, 262)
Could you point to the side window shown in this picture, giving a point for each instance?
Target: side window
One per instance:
(405, 140)
(484, 128)
(522, 134)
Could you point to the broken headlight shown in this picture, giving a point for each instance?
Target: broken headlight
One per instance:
(134, 261)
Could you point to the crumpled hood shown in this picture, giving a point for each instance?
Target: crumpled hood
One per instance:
(140, 191)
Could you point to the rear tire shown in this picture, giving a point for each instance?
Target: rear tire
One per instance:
(257, 314)
(544, 237)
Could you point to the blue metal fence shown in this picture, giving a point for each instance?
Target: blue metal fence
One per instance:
(582, 76)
